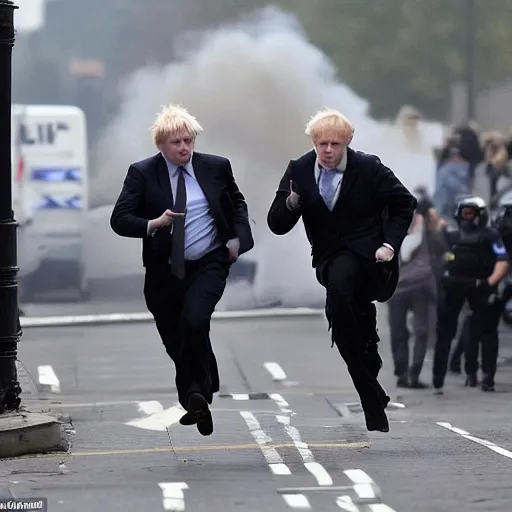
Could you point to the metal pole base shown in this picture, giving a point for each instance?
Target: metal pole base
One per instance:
(10, 331)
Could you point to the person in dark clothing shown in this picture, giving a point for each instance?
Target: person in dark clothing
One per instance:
(476, 263)
(470, 148)
(415, 291)
(356, 214)
(193, 221)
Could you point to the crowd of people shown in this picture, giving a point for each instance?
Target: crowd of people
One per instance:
(455, 260)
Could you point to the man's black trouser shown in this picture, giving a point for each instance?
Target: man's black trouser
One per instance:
(482, 328)
(418, 301)
(346, 278)
(182, 310)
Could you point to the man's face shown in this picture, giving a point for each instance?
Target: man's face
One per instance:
(178, 148)
(468, 213)
(330, 147)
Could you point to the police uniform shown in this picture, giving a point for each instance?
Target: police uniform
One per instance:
(503, 224)
(470, 260)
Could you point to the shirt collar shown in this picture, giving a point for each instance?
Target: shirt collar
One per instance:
(174, 168)
(341, 167)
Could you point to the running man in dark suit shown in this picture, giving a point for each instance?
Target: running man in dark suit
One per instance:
(356, 214)
(193, 221)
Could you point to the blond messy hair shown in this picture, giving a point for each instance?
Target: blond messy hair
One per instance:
(172, 120)
(329, 119)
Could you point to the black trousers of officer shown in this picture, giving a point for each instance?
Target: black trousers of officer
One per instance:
(482, 328)
(182, 309)
(353, 320)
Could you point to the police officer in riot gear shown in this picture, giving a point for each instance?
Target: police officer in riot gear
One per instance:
(475, 264)
(503, 224)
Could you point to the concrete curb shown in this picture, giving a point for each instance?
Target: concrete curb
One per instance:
(27, 433)
(124, 318)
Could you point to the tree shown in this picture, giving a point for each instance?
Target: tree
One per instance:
(407, 51)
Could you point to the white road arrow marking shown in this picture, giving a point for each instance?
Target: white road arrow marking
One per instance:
(174, 498)
(48, 379)
(158, 418)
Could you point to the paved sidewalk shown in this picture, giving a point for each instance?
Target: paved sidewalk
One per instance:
(31, 430)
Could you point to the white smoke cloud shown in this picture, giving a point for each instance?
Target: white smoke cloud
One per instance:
(253, 87)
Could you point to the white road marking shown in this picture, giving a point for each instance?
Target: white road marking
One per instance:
(240, 396)
(283, 405)
(316, 469)
(150, 407)
(294, 434)
(365, 491)
(173, 496)
(48, 378)
(380, 507)
(275, 371)
(271, 455)
(158, 420)
(346, 503)
(358, 476)
(280, 469)
(319, 472)
(364, 487)
(296, 501)
(466, 435)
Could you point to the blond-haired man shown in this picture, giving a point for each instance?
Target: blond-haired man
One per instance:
(356, 214)
(193, 220)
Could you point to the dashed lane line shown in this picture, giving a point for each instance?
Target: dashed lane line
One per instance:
(466, 435)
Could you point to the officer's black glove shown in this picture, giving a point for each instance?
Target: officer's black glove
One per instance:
(482, 284)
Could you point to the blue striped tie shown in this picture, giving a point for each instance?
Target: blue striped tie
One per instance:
(327, 186)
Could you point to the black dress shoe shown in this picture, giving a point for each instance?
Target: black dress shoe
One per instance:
(417, 384)
(205, 425)
(376, 420)
(197, 408)
(487, 383)
(402, 382)
(471, 380)
(375, 416)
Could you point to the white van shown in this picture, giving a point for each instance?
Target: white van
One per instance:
(50, 192)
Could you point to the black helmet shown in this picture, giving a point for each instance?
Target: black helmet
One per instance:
(477, 204)
(503, 220)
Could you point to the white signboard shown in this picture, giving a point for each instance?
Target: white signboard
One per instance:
(29, 16)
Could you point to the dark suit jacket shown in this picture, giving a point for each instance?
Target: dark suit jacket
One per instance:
(147, 193)
(373, 207)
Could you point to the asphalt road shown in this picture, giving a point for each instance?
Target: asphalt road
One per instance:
(281, 442)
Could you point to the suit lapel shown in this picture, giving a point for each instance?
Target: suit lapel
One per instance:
(348, 176)
(206, 179)
(165, 181)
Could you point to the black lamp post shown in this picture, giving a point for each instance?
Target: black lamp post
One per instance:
(471, 37)
(9, 319)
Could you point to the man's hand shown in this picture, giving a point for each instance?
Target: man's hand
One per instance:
(233, 246)
(293, 200)
(163, 221)
(384, 254)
